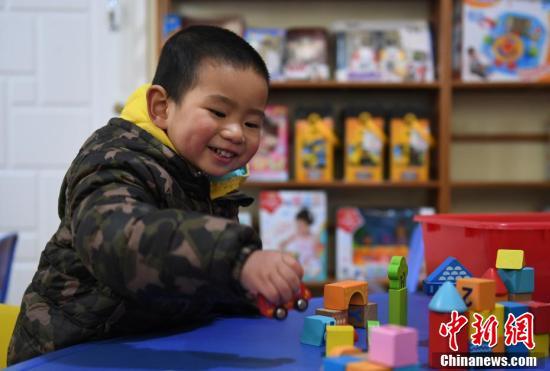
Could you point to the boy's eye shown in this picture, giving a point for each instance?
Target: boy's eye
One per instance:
(217, 113)
(252, 125)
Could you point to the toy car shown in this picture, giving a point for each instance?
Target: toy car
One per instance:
(298, 302)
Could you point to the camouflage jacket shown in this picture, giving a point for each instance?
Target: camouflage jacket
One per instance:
(140, 247)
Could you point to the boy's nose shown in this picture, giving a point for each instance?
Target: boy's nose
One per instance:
(233, 132)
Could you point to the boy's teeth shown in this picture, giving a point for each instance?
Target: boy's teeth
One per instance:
(223, 153)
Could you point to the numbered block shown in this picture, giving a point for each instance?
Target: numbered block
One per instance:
(478, 293)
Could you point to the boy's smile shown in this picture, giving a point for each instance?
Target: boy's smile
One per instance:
(217, 124)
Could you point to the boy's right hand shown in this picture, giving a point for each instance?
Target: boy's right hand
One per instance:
(275, 275)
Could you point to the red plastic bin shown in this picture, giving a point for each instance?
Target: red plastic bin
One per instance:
(475, 238)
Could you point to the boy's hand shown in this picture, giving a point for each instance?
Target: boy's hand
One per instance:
(273, 274)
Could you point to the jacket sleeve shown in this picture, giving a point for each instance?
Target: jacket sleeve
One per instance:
(143, 252)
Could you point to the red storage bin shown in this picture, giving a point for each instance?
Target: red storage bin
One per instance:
(475, 238)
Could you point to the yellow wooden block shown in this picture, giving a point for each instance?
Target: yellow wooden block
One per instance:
(542, 344)
(478, 293)
(338, 335)
(365, 365)
(499, 313)
(510, 259)
(339, 295)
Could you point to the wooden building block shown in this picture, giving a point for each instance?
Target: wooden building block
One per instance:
(343, 350)
(478, 293)
(372, 312)
(517, 309)
(518, 281)
(520, 297)
(500, 298)
(499, 348)
(340, 316)
(357, 315)
(339, 335)
(313, 331)
(448, 271)
(541, 311)
(542, 346)
(500, 287)
(397, 307)
(397, 272)
(338, 363)
(394, 346)
(510, 259)
(447, 299)
(339, 295)
(366, 366)
(498, 311)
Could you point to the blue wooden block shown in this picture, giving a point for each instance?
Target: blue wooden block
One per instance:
(517, 309)
(338, 363)
(448, 271)
(518, 281)
(447, 299)
(313, 332)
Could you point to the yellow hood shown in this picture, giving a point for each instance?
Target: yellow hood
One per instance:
(135, 110)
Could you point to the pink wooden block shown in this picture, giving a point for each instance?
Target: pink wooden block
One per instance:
(393, 346)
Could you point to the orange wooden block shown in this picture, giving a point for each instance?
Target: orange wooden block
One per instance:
(478, 293)
(365, 365)
(339, 295)
(499, 348)
(343, 350)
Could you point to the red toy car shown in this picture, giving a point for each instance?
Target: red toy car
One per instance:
(298, 302)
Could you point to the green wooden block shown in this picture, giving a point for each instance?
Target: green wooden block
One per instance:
(397, 272)
(398, 307)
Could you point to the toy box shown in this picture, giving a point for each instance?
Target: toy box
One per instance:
(505, 40)
(271, 161)
(383, 51)
(306, 54)
(314, 148)
(367, 238)
(410, 141)
(270, 43)
(295, 222)
(364, 156)
(474, 240)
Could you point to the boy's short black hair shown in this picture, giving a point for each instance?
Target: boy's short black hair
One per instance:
(183, 53)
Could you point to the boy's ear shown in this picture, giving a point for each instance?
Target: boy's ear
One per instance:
(157, 106)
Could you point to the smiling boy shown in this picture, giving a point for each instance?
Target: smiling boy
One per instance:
(147, 240)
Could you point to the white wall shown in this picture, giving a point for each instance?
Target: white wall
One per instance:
(62, 69)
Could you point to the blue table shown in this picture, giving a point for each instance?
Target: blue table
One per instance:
(226, 344)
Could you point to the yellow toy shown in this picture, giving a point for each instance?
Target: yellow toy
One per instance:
(365, 140)
(8, 316)
(410, 144)
(314, 148)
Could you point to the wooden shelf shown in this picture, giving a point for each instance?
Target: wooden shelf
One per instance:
(339, 184)
(461, 85)
(335, 85)
(544, 185)
(504, 137)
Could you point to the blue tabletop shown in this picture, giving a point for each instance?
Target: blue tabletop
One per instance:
(225, 344)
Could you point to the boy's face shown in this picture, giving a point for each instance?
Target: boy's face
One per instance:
(217, 124)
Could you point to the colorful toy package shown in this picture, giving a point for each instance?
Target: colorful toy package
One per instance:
(271, 161)
(410, 141)
(364, 156)
(383, 51)
(505, 40)
(367, 238)
(270, 43)
(314, 148)
(295, 222)
(306, 54)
